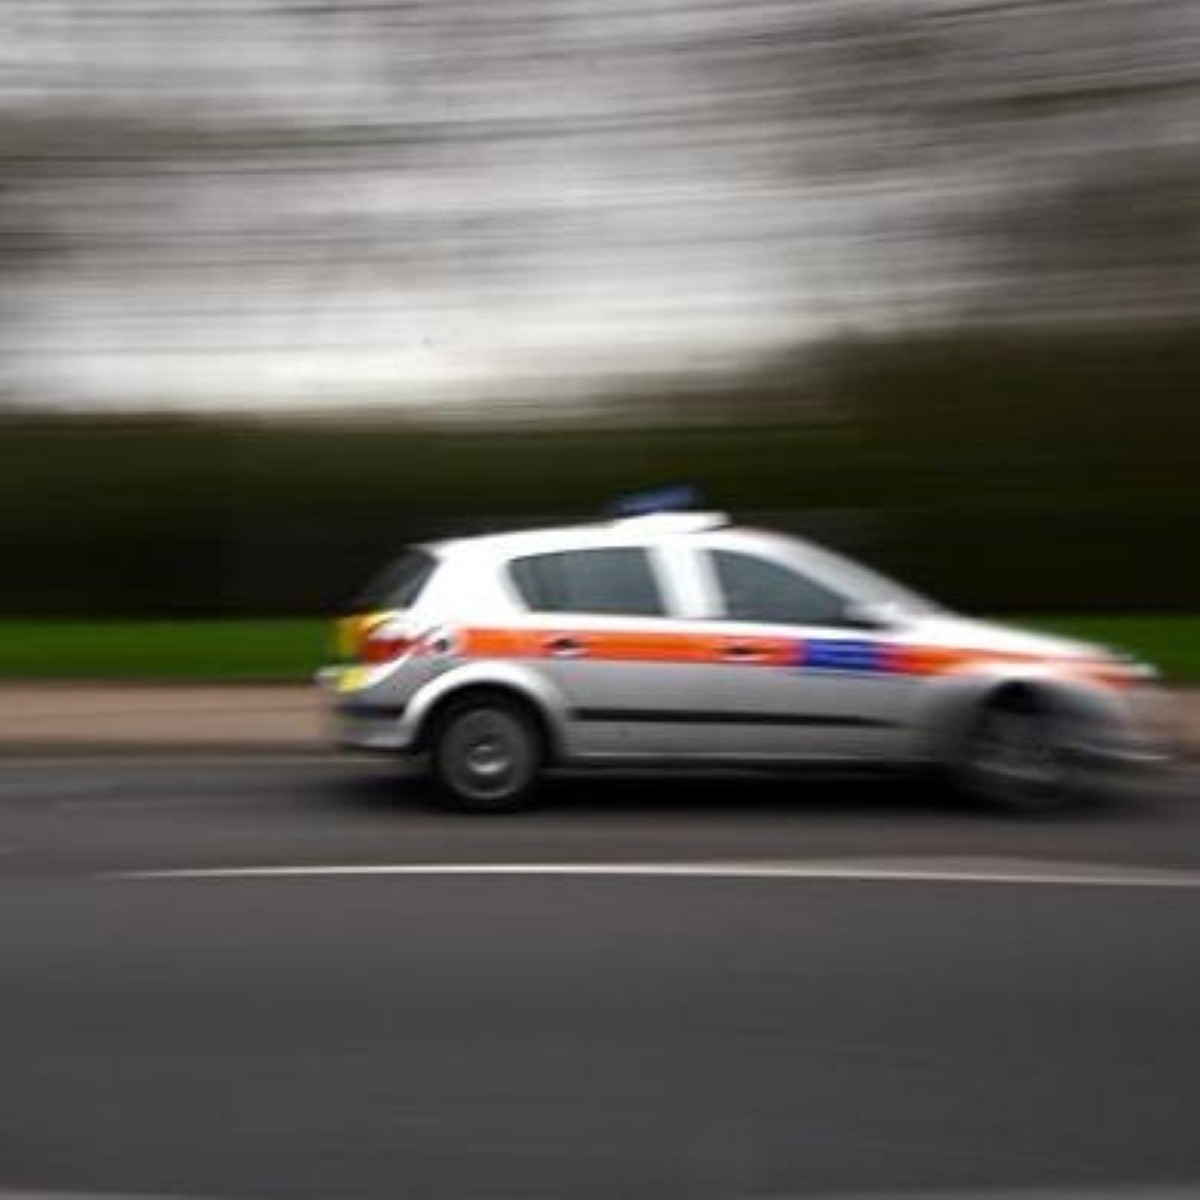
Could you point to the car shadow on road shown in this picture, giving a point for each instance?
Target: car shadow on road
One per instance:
(392, 789)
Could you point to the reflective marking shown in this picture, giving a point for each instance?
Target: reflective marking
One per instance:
(829, 654)
(883, 871)
(845, 655)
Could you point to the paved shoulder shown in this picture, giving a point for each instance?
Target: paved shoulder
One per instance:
(53, 717)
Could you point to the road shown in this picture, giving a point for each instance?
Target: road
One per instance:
(807, 989)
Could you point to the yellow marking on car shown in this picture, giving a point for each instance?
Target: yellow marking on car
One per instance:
(352, 679)
(349, 632)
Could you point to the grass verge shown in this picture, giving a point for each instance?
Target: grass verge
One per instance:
(225, 651)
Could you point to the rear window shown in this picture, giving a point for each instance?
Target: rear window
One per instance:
(399, 584)
(610, 582)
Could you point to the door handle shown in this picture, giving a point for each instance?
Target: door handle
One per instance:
(565, 646)
(741, 652)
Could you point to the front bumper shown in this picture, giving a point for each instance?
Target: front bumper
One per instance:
(1153, 733)
(1137, 753)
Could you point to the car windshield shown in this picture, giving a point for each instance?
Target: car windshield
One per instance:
(858, 583)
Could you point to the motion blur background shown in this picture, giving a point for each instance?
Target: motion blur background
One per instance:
(284, 283)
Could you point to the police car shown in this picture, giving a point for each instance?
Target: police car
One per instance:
(676, 638)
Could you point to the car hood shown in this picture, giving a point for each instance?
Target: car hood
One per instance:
(946, 629)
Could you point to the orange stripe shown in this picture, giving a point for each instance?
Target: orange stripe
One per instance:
(1104, 674)
(946, 660)
(765, 651)
(626, 646)
(501, 643)
(650, 647)
(941, 660)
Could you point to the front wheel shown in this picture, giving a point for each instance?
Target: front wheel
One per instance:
(486, 755)
(1017, 756)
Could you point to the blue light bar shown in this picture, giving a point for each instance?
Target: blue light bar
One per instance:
(678, 498)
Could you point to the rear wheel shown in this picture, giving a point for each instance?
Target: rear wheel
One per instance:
(1017, 755)
(486, 754)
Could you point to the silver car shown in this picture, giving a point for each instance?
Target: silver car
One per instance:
(675, 638)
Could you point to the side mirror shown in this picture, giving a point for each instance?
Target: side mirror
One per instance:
(867, 615)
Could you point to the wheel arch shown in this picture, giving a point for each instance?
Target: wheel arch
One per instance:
(954, 703)
(540, 699)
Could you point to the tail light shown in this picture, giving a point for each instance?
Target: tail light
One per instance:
(377, 639)
(385, 643)
(377, 648)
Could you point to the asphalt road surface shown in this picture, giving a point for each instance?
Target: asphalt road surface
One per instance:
(295, 978)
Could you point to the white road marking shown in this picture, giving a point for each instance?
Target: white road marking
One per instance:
(1100, 1192)
(880, 871)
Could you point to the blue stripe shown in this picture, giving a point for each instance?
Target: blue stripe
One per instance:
(842, 655)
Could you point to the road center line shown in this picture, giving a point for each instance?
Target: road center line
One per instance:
(952, 871)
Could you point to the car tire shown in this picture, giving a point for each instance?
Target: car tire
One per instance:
(486, 754)
(1017, 755)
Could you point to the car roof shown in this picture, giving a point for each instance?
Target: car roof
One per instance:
(633, 530)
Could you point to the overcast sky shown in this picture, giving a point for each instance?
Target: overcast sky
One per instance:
(249, 203)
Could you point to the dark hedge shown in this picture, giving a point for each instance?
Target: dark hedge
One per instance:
(1049, 472)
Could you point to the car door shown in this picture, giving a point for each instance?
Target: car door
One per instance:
(604, 626)
(797, 679)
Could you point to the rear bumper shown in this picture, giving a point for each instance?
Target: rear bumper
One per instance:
(369, 727)
(359, 721)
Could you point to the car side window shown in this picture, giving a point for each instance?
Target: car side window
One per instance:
(399, 584)
(617, 581)
(756, 589)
